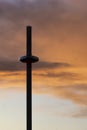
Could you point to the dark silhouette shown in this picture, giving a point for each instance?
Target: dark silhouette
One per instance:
(29, 59)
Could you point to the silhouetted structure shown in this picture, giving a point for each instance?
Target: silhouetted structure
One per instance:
(29, 59)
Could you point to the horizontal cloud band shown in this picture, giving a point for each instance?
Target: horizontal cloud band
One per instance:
(14, 65)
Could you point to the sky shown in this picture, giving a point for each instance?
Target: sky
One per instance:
(59, 86)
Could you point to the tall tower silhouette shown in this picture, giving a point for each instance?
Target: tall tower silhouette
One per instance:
(29, 59)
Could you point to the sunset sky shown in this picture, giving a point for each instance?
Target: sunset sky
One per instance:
(59, 86)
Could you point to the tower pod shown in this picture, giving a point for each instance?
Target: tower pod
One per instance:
(29, 59)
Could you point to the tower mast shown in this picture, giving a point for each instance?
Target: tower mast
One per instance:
(29, 59)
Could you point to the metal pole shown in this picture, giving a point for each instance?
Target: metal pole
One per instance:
(29, 78)
(29, 59)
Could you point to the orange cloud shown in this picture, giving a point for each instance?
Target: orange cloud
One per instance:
(59, 36)
(12, 79)
(68, 83)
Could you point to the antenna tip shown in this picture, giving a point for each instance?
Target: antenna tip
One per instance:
(28, 27)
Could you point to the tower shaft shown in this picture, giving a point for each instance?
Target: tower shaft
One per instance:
(29, 59)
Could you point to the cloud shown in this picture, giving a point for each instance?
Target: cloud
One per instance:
(81, 113)
(59, 39)
(50, 65)
(76, 93)
(60, 87)
(11, 66)
(61, 75)
(12, 79)
(41, 65)
(59, 31)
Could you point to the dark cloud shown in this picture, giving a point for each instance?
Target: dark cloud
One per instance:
(52, 19)
(50, 65)
(62, 75)
(11, 66)
(41, 65)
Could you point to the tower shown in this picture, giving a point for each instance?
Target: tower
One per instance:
(29, 59)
